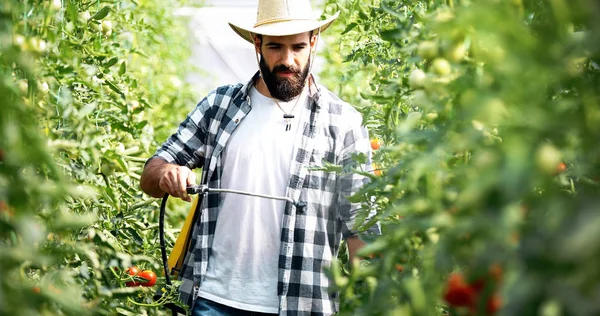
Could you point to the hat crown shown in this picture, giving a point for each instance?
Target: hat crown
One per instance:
(283, 10)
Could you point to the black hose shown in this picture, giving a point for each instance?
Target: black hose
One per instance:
(161, 229)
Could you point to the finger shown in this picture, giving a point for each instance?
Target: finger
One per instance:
(163, 184)
(191, 179)
(171, 182)
(182, 183)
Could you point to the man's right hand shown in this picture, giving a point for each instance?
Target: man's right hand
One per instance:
(160, 177)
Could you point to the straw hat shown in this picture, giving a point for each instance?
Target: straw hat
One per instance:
(281, 18)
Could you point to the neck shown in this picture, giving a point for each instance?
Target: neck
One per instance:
(262, 88)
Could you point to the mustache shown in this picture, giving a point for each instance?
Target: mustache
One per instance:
(282, 68)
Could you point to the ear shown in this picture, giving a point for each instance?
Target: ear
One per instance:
(257, 43)
(313, 41)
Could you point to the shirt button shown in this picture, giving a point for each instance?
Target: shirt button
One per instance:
(248, 100)
(237, 121)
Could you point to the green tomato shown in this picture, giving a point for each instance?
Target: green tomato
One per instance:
(20, 41)
(443, 16)
(96, 26)
(84, 16)
(441, 67)
(55, 5)
(427, 49)
(457, 52)
(417, 78)
(493, 111)
(548, 158)
(106, 27)
(37, 45)
(69, 27)
(43, 87)
(420, 98)
(478, 125)
(431, 116)
(23, 86)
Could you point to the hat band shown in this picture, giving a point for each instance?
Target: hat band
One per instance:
(275, 20)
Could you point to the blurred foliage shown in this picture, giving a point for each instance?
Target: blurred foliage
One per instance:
(85, 88)
(488, 113)
(489, 117)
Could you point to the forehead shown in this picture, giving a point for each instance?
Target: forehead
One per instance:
(288, 39)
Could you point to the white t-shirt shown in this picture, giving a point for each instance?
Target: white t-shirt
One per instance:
(243, 266)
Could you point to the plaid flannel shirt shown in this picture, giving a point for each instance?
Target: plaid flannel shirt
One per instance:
(309, 238)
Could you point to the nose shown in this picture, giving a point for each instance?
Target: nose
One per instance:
(288, 58)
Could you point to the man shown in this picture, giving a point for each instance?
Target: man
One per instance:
(252, 255)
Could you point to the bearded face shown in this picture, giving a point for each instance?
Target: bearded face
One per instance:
(284, 83)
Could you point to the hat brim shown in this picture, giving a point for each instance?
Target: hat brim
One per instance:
(283, 28)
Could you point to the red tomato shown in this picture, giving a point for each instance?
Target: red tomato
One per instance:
(562, 167)
(375, 143)
(458, 292)
(478, 285)
(399, 267)
(376, 170)
(133, 271)
(150, 277)
(493, 304)
(496, 272)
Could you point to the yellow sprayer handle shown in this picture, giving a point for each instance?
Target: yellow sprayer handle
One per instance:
(181, 244)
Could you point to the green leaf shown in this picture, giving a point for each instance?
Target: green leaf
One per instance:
(391, 11)
(140, 204)
(126, 291)
(360, 158)
(114, 88)
(122, 68)
(349, 28)
(362, 15)
(327, 167)
(136, 51)
(392, 35)
(72, 11)
(141, 124)
(373, 248)
(111, 62)
(136, 237)
(101, 14)
(126, 312)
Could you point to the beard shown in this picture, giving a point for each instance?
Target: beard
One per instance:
(283, 88)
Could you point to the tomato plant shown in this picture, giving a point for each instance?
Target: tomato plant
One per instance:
(480, 120)
(88, 88)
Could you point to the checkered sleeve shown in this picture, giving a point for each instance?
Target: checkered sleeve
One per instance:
(355, 142)
(186, 146)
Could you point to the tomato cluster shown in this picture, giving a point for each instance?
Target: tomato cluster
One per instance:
(459, 293)
(147, 275)
(375, 145)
